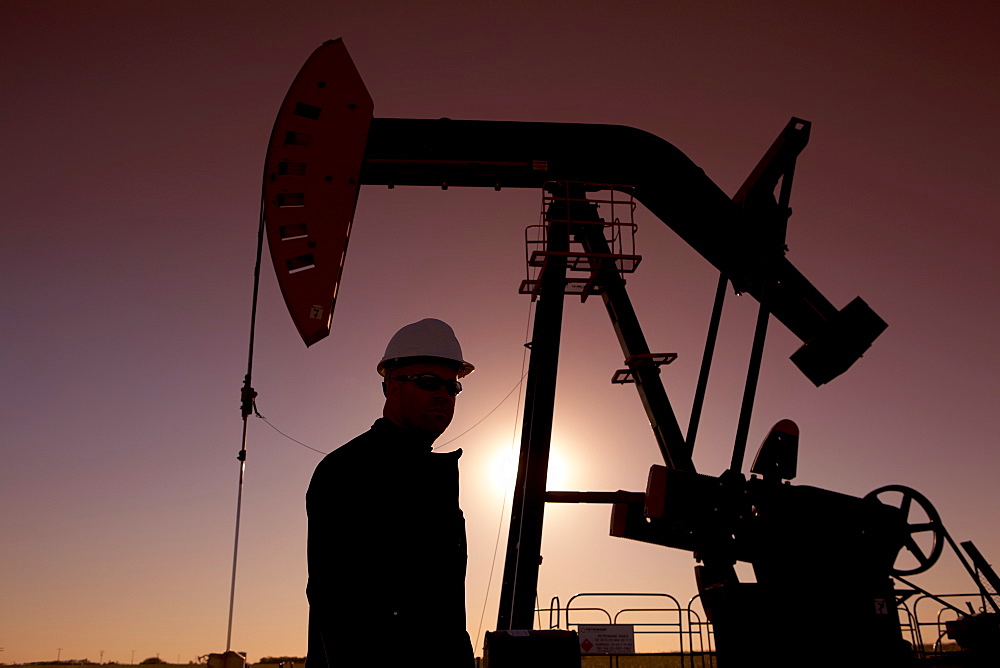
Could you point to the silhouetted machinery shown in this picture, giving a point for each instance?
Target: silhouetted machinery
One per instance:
(822, 560)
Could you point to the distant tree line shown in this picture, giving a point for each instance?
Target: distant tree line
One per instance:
(88, 662)
(282, 659)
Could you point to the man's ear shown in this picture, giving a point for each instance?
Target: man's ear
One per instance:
(385, 392)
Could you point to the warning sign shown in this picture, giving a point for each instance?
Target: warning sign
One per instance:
(606, 638)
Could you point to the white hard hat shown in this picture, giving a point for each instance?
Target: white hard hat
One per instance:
(429, 338)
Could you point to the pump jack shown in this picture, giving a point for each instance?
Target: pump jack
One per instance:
(326, 143)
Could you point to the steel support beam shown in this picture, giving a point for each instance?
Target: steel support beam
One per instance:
(706, 361)
(524, 541)
(662, 420)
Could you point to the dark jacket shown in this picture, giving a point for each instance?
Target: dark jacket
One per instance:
(387, 553)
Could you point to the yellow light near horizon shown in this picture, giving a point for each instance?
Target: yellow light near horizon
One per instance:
(504, 469)
(559, 471)
(503, 472)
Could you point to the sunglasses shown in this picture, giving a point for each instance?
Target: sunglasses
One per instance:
(432, 383)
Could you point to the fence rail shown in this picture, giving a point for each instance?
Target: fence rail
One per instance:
(687, 634)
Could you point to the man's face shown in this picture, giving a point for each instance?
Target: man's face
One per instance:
(411, 407)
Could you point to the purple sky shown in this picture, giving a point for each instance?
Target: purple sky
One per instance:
(135, 136)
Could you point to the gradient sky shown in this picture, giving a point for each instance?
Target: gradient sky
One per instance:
(134, 136)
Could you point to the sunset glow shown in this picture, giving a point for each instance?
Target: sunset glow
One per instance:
(135, 135)
(503, 472)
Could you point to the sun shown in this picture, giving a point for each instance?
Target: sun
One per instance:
(503, 471)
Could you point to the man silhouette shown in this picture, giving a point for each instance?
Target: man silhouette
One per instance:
(387, 552)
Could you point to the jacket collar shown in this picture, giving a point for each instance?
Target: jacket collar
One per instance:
(408, 441)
